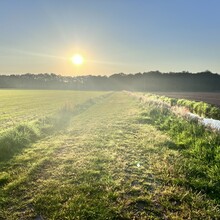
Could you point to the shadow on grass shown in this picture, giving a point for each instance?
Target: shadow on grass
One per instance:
(173, 146)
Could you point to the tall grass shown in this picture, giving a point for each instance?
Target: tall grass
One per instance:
(200, 148)
(17, 138)
(12, 141)
(201, 108)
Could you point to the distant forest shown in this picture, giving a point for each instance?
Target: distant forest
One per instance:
(153, 81)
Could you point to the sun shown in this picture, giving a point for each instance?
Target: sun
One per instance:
(77, 59)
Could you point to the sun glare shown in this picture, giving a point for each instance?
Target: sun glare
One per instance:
(77, 59)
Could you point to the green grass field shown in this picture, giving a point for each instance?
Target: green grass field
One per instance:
(105, 163)
(18, 106)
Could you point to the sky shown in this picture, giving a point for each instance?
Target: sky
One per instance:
(113, 36)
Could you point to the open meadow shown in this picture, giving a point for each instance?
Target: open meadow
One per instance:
(17, 106)
(101, 155)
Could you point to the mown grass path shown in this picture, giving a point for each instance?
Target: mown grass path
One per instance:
(104, 165)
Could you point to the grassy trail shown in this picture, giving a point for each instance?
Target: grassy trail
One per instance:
(104, 165)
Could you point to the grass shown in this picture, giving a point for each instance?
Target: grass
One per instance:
(21, 106)
(103, 164)
(13, 140)
(202, 109)
(200, 149)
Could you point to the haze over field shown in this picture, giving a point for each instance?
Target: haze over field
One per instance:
(109, 109)
(127, 36)
(105, 155)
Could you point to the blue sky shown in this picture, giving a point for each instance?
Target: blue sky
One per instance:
(113, 36)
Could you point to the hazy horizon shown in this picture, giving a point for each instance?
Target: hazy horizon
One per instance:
(108, 75)
(112, 36)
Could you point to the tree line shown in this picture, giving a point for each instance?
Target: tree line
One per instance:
(153, 81)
